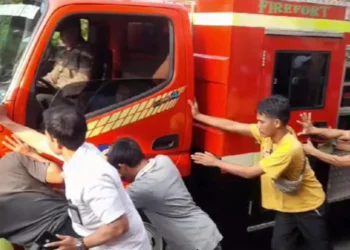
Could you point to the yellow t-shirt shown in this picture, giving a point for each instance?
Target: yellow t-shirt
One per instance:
(286, 159)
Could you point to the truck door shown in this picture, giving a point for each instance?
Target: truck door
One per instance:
(307, 68)
(127, 99)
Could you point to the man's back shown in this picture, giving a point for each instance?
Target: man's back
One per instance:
(27, 205)
(94, 187)
(162, 194)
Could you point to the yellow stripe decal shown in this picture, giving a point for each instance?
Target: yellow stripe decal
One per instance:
(135, 113)
(270, 22)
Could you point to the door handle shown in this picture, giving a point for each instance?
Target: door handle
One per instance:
(166, 142)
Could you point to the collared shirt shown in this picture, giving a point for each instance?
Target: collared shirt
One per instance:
(72, 66)
(151, 164)
(95, 190)
(160, 191)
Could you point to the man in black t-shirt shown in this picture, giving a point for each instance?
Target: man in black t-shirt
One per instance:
(28, 206)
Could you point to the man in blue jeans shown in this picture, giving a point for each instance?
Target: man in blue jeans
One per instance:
(158, 189)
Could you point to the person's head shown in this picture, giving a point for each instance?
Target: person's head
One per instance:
(126, 155)
(70, 31)
(273, 115)
(65, 128)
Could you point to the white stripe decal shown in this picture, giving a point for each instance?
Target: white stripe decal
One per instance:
(219, 58)
(270, 22)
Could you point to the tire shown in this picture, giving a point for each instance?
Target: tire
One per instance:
(156, 240)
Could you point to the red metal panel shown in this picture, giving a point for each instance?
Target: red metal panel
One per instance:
(337, 48)
(215, 5)
(173, 121)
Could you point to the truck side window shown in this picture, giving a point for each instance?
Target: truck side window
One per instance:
(140, 60)
(302, 77)
(147, 49)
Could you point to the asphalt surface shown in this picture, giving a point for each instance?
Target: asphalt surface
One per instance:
(340, 237)
(339, 242)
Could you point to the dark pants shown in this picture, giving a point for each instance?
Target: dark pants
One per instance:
(65, 229)
(311, 226)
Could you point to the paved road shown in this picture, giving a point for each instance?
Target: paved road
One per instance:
(339, 226)
(339, 243)
(340, 232)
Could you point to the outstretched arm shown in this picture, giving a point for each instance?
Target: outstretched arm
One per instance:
(335, 160)
(309, 129)
(28, 135)
(209, 160)
(220, 123)
(331, 133)
(273, 166)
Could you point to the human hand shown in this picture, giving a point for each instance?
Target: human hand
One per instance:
(309, 147)
(206, 159)
(16, 145)
(194, 108)
(306, 124)
(66, 243)
(41, 84)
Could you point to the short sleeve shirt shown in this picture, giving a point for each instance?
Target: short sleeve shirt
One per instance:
(161, 193)
(28, 207)
(286, 159)
(22, 175)
(72, 66)
(95, 190)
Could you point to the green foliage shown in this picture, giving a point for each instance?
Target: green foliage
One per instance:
(84, 28)
(10, 1)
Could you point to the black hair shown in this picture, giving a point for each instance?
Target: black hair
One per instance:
(69, 22)
(125, 151)
(66, 124)
(276, 107)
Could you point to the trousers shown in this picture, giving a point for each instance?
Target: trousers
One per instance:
(311, 226)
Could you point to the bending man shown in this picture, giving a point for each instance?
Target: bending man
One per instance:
(159, 190)
(29, 206)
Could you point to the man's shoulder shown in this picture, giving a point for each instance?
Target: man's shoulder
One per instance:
(291, 144)
(13, 158)
(85, 49)
(165, 163)
(164, 160)
(92, 163)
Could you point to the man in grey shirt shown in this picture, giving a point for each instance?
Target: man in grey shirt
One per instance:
(28, 206)
(159, 191)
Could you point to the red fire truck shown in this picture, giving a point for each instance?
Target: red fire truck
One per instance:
(229, 54)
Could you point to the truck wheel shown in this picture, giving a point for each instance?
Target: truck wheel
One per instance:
(154, 237)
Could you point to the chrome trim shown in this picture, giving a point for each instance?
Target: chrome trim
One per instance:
(281, 32)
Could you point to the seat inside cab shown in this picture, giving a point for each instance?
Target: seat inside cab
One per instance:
(131, 56)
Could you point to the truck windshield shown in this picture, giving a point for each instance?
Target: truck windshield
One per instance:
(18, 19)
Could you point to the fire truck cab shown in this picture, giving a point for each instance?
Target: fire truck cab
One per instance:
(150, 57)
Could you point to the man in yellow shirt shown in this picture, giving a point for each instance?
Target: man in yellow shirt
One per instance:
(300, 211)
